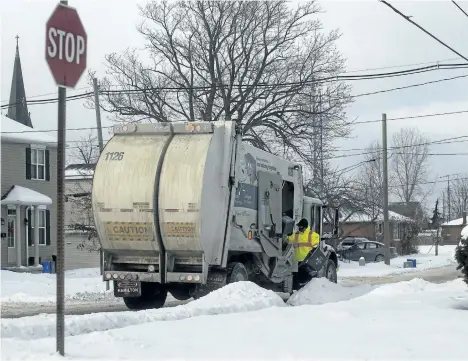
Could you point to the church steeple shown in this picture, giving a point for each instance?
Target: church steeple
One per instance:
(18, 109)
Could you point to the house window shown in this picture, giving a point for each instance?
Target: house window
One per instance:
(38, 164)
(11, 227)
(42, 227)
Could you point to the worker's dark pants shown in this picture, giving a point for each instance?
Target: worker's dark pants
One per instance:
(305, 271)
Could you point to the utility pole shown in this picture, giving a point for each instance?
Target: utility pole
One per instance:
(448, 199)
(101, 147)
(321, 143)
(385, 189)
(98, 114)
(443, 206)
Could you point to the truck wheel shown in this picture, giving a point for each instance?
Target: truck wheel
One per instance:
(181, 293)
(153, 295)
(331, 272)
(237, 273)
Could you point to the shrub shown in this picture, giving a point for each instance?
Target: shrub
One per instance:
(461, 256)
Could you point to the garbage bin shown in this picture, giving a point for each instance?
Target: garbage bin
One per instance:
(413, 262)
(46, 267)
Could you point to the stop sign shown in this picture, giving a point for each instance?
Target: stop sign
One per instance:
(66, 46)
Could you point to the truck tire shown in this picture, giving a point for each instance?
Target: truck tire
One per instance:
(331, 272)
(237, 273)
(181, 293)
(153, 295)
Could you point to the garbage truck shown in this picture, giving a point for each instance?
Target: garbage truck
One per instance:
(188, 207)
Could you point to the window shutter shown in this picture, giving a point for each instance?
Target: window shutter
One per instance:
(28, 163)
(47, 227)
(47, 165)
(30, 229)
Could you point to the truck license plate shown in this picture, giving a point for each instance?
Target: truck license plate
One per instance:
(125, 288)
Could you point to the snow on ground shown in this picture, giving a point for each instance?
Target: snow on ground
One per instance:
(320, 291)
(82, 284)
(233, 298)
(425, 260)
(373, 326)
(464, 233)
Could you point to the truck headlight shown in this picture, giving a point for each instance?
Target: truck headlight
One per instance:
(151, 268)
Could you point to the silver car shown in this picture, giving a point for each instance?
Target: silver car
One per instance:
(370, 250)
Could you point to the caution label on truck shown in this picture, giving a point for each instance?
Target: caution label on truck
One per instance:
(179, 229)
(129, 231)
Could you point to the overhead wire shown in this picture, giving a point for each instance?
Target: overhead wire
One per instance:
(264, 85)
(408, 18)
(460, 8)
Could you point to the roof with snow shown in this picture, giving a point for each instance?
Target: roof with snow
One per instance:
(18, 195)
(454, 222)
(14, 131)
(361, 217)
(79, 171)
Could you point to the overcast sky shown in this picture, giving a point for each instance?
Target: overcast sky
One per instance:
(373, 37)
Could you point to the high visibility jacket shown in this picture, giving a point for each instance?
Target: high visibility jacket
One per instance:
(303, 243)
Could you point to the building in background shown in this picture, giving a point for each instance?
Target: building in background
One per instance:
(451, 231)
(28, 184)
(81, 242)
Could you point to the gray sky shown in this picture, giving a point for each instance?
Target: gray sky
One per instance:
(373, 37)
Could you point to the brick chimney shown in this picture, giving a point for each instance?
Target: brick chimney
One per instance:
(464, 217)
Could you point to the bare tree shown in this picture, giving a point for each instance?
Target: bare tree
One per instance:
(256, 62)
(409, 164)
(82, 159)
(459, 196)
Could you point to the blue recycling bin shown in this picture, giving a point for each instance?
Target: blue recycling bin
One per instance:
(413, 262)
(46, 267)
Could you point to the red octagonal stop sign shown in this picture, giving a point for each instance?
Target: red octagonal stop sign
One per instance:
(66, 46)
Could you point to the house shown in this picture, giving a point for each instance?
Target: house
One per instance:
(411, 210)
(28, 187)
(81, 243)
(451, 231)
(360, 224)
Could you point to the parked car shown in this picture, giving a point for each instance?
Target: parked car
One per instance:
(350, 241)
(370, 250)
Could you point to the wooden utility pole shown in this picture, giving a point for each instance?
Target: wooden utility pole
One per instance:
(101, 147)
(385, 189)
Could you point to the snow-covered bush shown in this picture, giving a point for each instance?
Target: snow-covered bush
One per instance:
(461, 254)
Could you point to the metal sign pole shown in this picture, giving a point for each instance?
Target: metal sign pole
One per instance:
(62, 103)
(60, 220)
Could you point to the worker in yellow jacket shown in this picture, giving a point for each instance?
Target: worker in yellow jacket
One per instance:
(304, 240)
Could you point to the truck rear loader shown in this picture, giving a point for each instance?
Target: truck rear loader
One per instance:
(187, 207)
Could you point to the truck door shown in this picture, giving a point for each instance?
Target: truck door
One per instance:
(269, 212)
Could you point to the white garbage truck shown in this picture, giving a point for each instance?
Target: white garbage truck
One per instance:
(187, 207)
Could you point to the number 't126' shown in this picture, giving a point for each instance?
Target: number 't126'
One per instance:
(114, 155)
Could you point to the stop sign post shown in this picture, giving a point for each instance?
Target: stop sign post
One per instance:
(66, 50)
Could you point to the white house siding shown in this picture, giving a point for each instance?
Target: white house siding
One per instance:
(80, 252)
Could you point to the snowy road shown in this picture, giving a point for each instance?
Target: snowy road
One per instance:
(111, 304)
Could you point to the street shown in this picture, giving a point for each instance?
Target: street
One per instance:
(82, 307)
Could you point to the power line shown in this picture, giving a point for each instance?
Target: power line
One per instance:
(350, 123)
(260, 85)
(408, 18)
(451, 140)
(458, 6)
(434, 62)
(411, 117)
(401, 66)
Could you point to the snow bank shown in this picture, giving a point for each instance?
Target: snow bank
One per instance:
(320, 291)
(83, 284)
(392, 325)
(233, 298)
(425, 260)
(464, 233)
